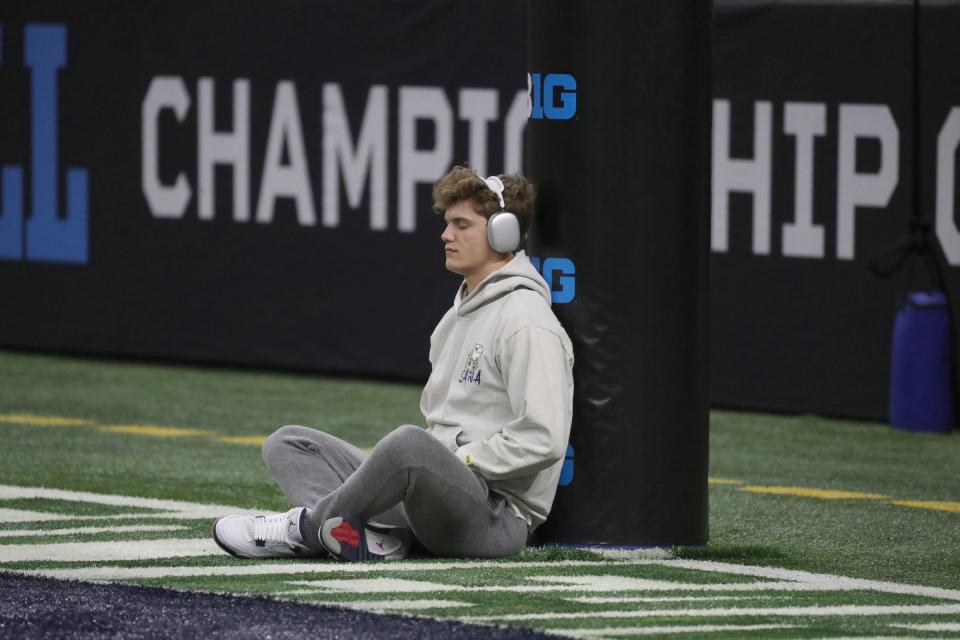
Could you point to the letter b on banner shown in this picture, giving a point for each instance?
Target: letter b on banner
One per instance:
(551, 96)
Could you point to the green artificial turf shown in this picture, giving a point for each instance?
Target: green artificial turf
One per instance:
(228, 402)
(868, 538)
(236, 402)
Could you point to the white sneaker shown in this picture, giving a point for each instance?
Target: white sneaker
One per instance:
(273, 536)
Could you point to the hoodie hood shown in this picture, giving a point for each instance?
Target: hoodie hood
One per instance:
(516, 274)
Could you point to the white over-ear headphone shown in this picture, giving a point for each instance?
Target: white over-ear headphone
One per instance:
(503, 227)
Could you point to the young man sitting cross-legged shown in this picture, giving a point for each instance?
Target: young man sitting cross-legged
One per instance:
(483, 474)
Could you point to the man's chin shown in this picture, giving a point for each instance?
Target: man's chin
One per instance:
(453, 268)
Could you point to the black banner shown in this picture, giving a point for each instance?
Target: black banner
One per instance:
(812, 175)
(938, 107)
(244, 183)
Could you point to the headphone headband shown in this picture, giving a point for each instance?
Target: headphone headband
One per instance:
(496, 185)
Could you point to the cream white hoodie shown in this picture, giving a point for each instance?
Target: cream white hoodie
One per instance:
(500, 394)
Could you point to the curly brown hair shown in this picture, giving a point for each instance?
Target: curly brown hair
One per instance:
(463, 183)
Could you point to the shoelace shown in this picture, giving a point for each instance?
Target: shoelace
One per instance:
(271, 529)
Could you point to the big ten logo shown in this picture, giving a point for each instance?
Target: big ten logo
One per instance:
(44, 235)
(566, 471)
(560, 274)
(551, 96)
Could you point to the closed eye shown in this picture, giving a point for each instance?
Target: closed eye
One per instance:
(459, 223)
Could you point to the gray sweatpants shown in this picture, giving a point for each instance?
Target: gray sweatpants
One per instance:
(409, 479)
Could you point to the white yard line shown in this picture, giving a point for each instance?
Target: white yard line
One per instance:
(400, 605)
(821, 580)
(376, 605)
(561, 584)
(133, 528)
(638, 599)
(724, 612)
(8, 516)
(932, 626)
(197, 510)
(613, 632)
(320, 567)
(382, 585)
(618, 583)
(649, 553)
(108, 551)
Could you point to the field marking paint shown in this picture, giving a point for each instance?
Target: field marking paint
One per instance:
(722, 612)
(932, 626)
(26, 419)
(810, 492)
(556, 584)
(287, 568)
(133, 528)
(377, 605)
(576, 584)
(300, 592)
(179, 507)
(381, 585)
(247, 440)
(401, 605)
(22, 515)
(612, 632)
(44, 421)
(825, 581)
(11, 516)
(113, 550)
(638, 599)
(157, 515)
(618, 583)
(936, 505)
(805, 580)
(654, 553)
(723, 481)
(155, 430)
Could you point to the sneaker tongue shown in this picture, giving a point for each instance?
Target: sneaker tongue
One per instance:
(295, 518)
(380, 544)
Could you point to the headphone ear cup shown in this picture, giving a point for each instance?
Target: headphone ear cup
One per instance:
(503, 232)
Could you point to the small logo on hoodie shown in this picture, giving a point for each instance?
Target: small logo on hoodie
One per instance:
(471, 370)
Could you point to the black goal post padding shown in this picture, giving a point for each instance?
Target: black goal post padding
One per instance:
(623, 180)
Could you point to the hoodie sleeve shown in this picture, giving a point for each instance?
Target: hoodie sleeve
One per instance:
(539, 382)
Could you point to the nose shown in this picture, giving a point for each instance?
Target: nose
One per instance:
(447, 235)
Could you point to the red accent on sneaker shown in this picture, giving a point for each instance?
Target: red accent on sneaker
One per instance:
(347, 534)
